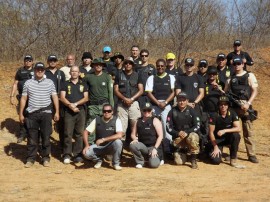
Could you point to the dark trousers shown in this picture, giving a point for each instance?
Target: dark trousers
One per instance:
(74, 127)
(229, 139)
(39, 122)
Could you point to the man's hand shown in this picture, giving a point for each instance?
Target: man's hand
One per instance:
(21, 118)
(153, 153)
(245, 107)
(99, 141)
(86, 149)
(182, 134)
(134, 142)
(221, 132)
(56, 117)
(12, 101)
(216, 152)
(161, 105)
(191, 104)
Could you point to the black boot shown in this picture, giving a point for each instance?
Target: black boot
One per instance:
(194, 161)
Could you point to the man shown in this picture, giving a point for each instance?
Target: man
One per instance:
(145, 70)
(192, 84)
(100, 88)
(86, 68)
(118, 60)
(146, 138)
(202, 66)
(135, 54)
(171, 67)
(109, 131)
(128, 88)
(224, 129)
(109, 67)
(74, 95)
(22, 75)
(58, 78)
(183, 124)
(245, 86)
(40, 92)
(160, 90)
(224, 71)
(237, 46)
(70, 61)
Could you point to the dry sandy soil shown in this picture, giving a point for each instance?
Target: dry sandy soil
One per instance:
(82, 182)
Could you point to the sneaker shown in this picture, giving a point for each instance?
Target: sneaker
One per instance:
(253, 159)
(161, 163)
(117, 167)
(78, 159)
(98, 165)
(46, 164)
(66, 160)
(177, 158)
(234, 164)
(194, 164)
(139, 166)
(28, 164)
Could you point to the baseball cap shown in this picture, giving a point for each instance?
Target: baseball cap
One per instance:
(223, 99)
(39, 65)
(118, 54)
(98, 61)
(203, 63)
(129, 59)
(182, 95)
(170, 56)
(147, 105)
(221, 55)
(87, 55)
(237, 60)
(237, 43)
(212, 70)
(189, 61)
(107, 49)
(52, 57)
(28, 57)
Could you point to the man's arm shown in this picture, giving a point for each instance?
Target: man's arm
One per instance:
(23, 101)
(158, 126)
(56, 106)
(134, 133)
(110, 90)
(13, 92)
(170, 125)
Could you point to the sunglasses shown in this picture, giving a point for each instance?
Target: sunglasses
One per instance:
(147, 110)
(189, 65)
(202, 67)
(160, 65)
(144, 56)
(107, 111)
(212, 74)
(28, 61)
(237, 64)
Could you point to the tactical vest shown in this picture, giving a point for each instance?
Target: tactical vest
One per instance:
(146, 132)
(24, 76)
(182, 120)
(104, 129)
(128, 87)
(162, 87)
(240, 87)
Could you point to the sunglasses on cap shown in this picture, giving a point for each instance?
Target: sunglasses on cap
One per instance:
(107, 111)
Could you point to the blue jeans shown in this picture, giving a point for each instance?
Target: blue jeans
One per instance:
(95, 153)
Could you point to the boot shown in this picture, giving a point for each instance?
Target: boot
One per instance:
(194, 161)
(234, 164)
(177, 158)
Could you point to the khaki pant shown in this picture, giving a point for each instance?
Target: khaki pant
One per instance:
(191, 141)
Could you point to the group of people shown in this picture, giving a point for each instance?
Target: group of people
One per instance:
(157, 112)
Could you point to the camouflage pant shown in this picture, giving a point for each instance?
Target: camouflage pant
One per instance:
(191, 141)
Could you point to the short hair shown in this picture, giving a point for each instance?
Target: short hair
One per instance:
(144, 51)
(107, 105)
(134, 46)
(160, 60)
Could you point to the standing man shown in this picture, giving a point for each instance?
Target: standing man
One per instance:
(86, 68)
(109, 68)
(128, 88)
(22, 75)
(70, 61)
(74, 95)
(100, 88)
(171, 68)
(160, 90)
(224, 71)
(224, 129)
(58, 78)
(245, 86)
(109, 131)
(183, 124)
(202, 66)
(118, 59)
(135, 54)
(40, 92)
(237, 46)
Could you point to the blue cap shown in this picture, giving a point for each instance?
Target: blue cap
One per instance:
(107, 49)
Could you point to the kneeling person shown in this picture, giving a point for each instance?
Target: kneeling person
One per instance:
(109, 131)
(183, 124)
(224, 130)
(147, 135)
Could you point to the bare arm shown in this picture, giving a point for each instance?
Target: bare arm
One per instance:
(22, 106)
(56, 106)
(13, 92)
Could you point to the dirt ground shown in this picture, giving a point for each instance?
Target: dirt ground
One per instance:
(82, 182)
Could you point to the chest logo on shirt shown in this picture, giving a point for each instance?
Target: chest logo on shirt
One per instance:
(228, 73)
(81, 88)
(69, 90)
(234, 80)
(103, 83)
(82, 75)
(195, 85)
(110, 128)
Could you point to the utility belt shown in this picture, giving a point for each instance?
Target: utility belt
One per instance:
(98, 102)
(41, 110)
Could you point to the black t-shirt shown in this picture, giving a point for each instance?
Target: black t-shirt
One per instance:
(176, 71)
(74, 92)
(221, 123)
(190, 85)
(204, 76)
(58, 74)
(224, 74)
(22, 75)
(210, 100)
(243, 55)
(145, 72)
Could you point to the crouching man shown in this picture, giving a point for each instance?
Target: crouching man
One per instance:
(109, 131)
(183, 124)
